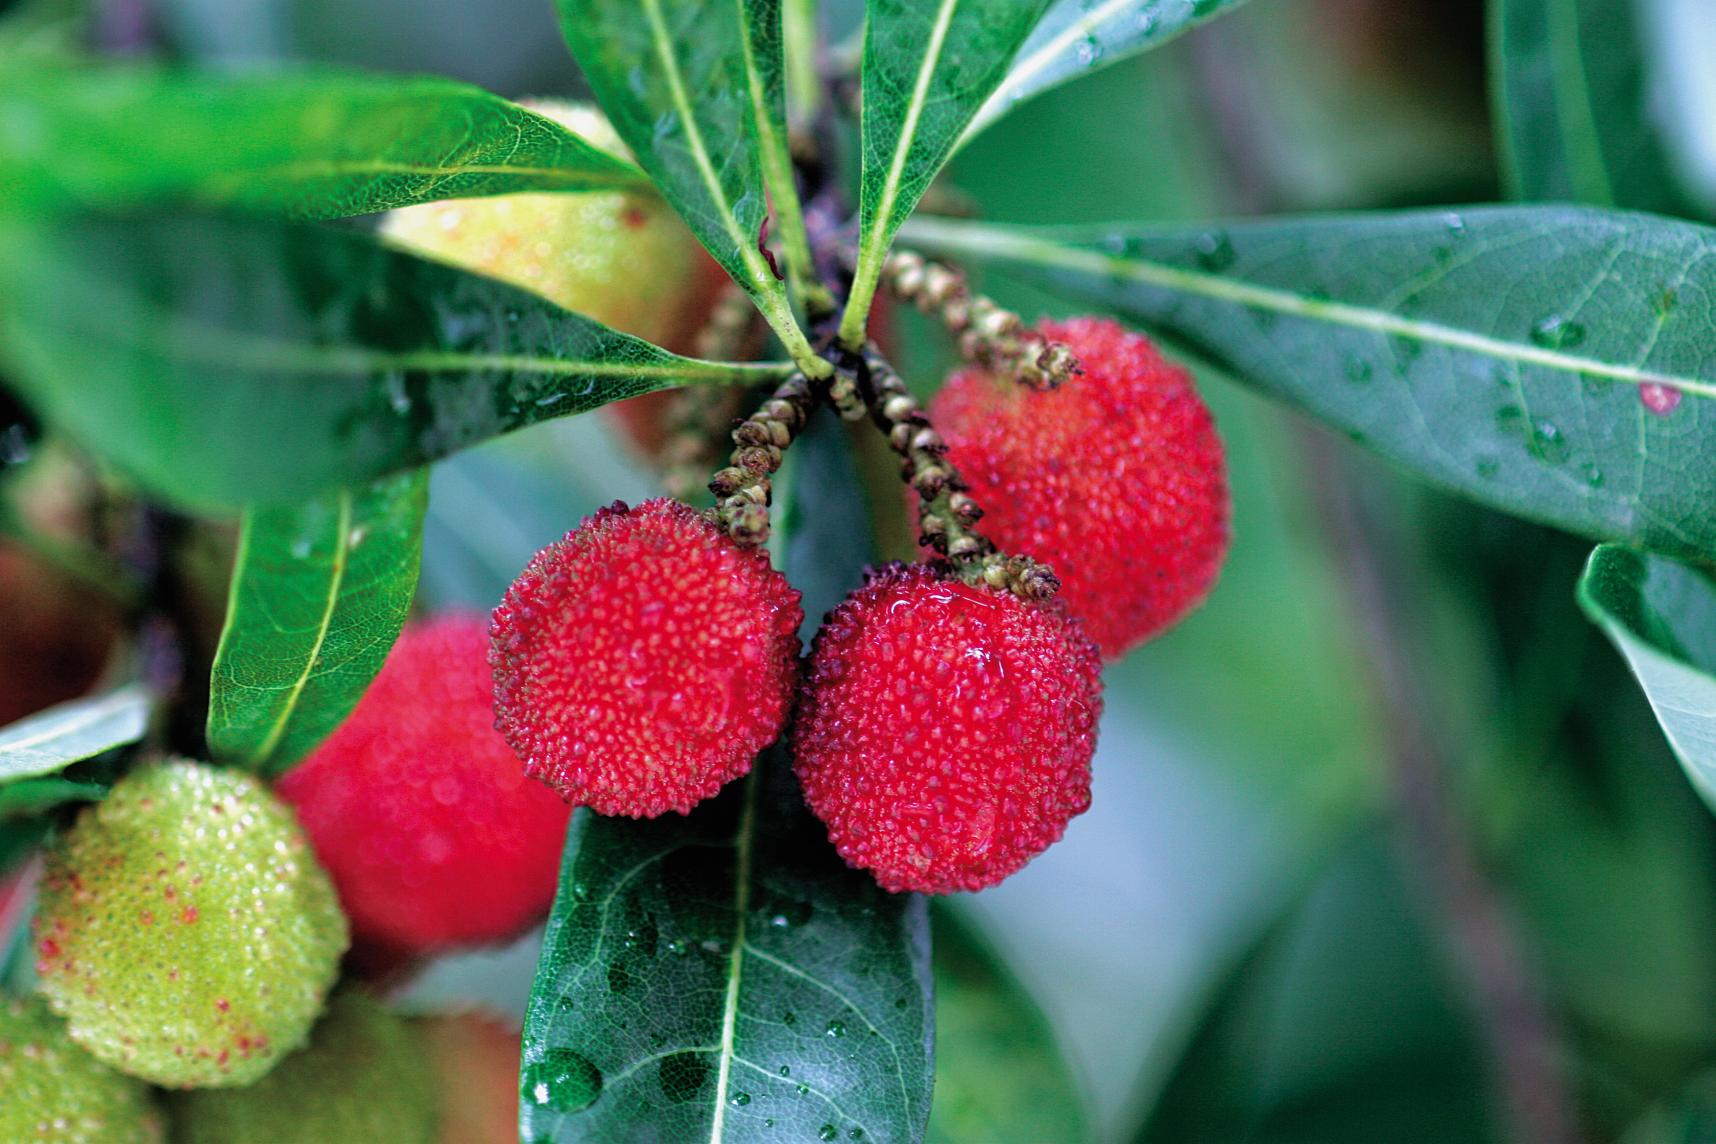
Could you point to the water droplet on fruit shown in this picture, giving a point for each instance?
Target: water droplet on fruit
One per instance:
(564, 1081)
(1556, 333)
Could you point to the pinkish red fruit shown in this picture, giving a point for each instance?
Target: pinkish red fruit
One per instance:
(946, 730)
(1116, 479)
(420, 811)
(641, 662)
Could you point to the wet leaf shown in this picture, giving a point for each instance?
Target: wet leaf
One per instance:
(1076, 37)
(697, 92)
(928, 67)
(49, 741)
(306, 144)
(1553, 362)
(221, 361)
(319, 593)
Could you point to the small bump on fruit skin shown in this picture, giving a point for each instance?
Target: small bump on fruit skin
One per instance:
(643, 661)
(1116, 480)
(420, 811)
(363, 1079)
(184, 928)
(946, 730)
(54, 1092)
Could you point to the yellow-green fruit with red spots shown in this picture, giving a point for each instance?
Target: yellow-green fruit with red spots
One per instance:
(184, 929)
(53, 1092)
(365, 1076)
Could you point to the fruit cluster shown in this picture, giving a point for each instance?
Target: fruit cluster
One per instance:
(190, 929)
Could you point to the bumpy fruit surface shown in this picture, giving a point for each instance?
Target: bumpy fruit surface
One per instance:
(474, 1061)
(946, 730)
(619, 257)
(641, 662)
(364, 1077)
(420, 811)
(1116, 479)
(184, 928)
(53, 1091)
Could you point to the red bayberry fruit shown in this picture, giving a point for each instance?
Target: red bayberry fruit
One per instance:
(641, 662)
(946, 730)
(419, 810)
(1116, 479)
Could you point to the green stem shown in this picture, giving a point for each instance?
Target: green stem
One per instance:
(804, 84)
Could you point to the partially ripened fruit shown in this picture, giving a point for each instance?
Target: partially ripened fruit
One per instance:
(946, 730)
(184, 928)
(1116, 479)
(421, 812)
(54, 1092)
(474, 1061)
(363, 1078)
(641, 662)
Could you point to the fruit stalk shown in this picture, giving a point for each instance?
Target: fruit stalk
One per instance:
(947, 522)
(989, 336)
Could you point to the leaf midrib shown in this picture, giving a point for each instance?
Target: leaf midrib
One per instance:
(102, 709)
(996, 242)
(742, 842)
(336, 580)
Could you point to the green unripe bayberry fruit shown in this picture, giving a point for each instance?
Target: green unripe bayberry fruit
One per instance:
(53, 1091)
(185, 929)
(364, 1077)
(620, 257)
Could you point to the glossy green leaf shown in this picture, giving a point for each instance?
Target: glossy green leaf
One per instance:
(221, 361)
(1573, 105)
(319, 593)
(998, 1075)
(1553, 362)
(928, 67)
(51, 740)
(1076, 37)
(304, 144)
(725, 977)
(697, 92)
(33, 796)
(1661, 614)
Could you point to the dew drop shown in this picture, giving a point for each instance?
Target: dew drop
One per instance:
(1358, 370)
(1593, 475)
(1556, 333)
(1487, 468)
(837, 1028)
(564, 1081)
(739, 1099)
(1214, 251)
(682, 1076)
(1547, 442)
(1658, 398)
(827, 1132)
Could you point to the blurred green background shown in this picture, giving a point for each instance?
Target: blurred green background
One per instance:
(1385, 767)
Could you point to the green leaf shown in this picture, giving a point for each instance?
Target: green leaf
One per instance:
(696, 91)
(305, 144)
(1573, 105)
(33, 796)
(319, 593)
(1076, 37)
(1341, 1025)
(724, 977)
(1553, 362)
(221, 361)
(51, 740)
(1662, 616)
(998, 1075)
(928, 67)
